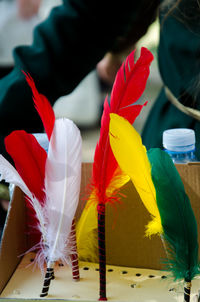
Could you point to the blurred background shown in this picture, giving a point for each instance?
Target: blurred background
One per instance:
(85, 104)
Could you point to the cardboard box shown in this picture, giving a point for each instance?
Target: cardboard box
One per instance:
(126, 245)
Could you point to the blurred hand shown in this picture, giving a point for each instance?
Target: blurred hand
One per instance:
(108, 67)
(4, 203)
(28, 8)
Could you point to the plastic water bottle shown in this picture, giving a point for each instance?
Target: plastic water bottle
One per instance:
(180, 145)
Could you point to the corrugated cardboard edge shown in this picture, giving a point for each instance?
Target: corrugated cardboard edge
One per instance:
(14, 239)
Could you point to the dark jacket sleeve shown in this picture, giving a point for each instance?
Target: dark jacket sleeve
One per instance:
(65, 48)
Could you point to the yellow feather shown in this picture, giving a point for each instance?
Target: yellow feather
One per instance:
(87, 232)
(87, 229)
(131, 156)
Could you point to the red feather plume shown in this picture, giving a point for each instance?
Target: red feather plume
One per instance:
(29, 157)
(42, 106)
(129, 85)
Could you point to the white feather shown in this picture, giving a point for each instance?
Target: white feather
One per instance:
(62, 186)
(10, 175)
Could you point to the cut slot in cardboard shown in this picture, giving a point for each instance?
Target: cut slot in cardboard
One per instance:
(125, 226)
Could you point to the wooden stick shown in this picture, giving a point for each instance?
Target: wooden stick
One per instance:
(187, 289)
(74, 254)
(102, 251)
(47, 279)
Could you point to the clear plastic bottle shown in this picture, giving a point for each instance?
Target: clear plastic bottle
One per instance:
(180, 145)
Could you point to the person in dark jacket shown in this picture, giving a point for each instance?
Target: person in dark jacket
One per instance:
(66, 47)
(77, 34)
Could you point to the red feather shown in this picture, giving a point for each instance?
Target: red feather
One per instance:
(129, 85)
(42, 106)
(130, 81)
(29, 158)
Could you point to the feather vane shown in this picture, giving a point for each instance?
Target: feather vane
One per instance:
(10, 175)
(178, 220)
(29, 158)
(129, 85)
(131, 155)
(42, 106)
(107, 177)
(62, 186)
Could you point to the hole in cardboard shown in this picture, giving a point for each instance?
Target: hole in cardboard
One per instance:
(97, 269)
(124, 272)
(60, 264)
(133, 285)
(110, 270)
(164, 277)
(86, 268)
(151, 276)
(138, 274)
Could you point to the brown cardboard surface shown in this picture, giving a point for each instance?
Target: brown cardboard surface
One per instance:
(190, 175)
(86, 174)
(126, 244)
(125, 225)
(14, 239)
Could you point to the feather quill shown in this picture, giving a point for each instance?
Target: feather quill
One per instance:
(30, 158)
(131, 155)
(128, 87)
(54, 185)
(48, 118)
(107, 176)
(177, 217)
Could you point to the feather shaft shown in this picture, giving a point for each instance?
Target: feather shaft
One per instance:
(128, 87)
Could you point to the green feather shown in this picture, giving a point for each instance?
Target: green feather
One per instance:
(177, 217)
